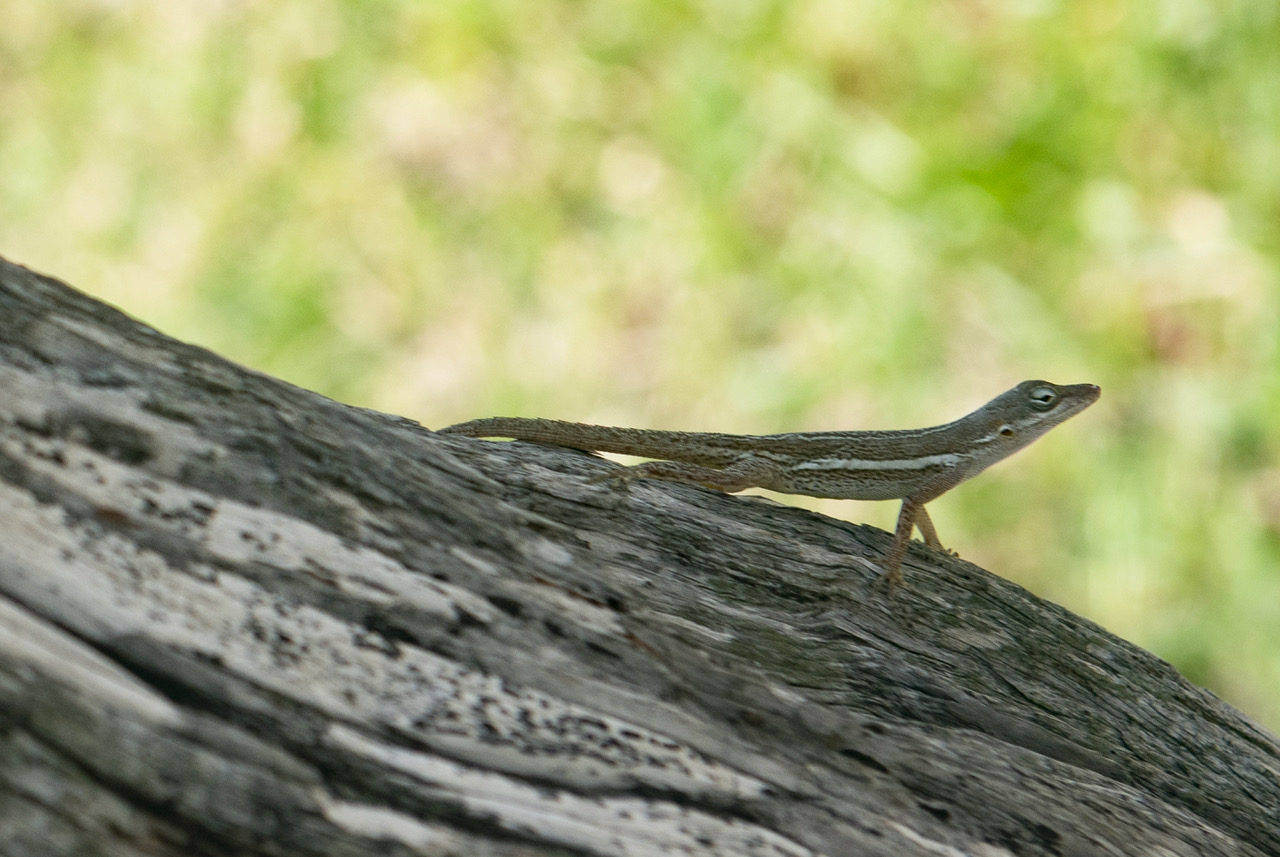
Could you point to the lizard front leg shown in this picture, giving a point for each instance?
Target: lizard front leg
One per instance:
(911, 510)
(913, 514)
(925, 525)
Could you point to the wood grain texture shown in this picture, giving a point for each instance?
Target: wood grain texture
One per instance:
(237, 618)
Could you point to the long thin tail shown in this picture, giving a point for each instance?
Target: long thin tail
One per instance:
(696, 447)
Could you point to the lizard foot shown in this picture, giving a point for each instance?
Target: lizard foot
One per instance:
(890, 579)
(619, 478)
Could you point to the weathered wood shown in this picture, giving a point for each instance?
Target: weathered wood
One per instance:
(237, 618)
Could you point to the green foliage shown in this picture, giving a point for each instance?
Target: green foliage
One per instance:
(741, 216)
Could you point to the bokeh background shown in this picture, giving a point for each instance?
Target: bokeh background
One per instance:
(725, 215)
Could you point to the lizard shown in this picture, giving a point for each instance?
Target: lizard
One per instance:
(915, 466)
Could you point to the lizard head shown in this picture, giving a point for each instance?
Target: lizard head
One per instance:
(1018, 416)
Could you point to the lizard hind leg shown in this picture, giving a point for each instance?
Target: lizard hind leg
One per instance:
(746, 472)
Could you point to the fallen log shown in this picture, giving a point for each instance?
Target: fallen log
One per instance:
(239, 618)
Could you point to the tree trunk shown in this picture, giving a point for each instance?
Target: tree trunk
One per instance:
(237, 618)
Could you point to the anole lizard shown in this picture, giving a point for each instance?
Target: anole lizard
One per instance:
(914, 465)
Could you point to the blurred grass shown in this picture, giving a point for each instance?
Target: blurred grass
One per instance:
(741, 216)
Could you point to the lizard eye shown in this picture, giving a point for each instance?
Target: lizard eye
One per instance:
(1005, 431)
(1043, 398)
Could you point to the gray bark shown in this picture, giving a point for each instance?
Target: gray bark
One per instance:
(237, 618)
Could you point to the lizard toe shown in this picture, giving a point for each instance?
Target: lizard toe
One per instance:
(620, 477)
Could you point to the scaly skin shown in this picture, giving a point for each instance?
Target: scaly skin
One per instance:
(914, 465)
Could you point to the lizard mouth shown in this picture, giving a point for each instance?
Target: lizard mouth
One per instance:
(1088, 392)
(1077, 397)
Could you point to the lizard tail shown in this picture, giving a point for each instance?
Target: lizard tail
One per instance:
(650, 443)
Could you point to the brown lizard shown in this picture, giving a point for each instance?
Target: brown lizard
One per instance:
(913, 465)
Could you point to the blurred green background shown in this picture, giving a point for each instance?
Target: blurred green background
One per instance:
(726, 215)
